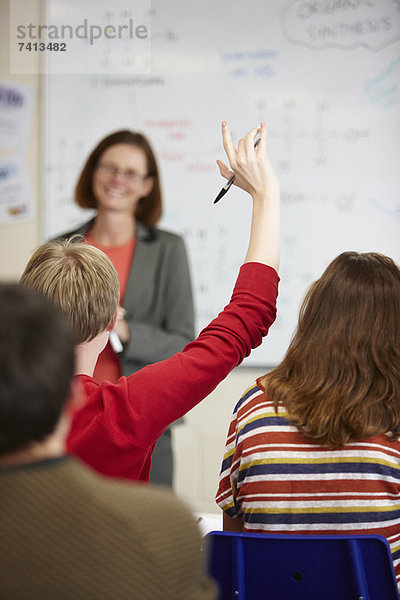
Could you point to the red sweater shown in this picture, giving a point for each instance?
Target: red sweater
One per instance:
(117, 427)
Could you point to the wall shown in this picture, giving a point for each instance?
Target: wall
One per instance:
(18, 240)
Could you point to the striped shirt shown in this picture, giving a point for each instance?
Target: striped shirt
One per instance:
(279, 482)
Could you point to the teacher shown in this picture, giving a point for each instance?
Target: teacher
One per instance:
(120, 180)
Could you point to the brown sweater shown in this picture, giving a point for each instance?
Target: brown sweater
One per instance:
(68, 534)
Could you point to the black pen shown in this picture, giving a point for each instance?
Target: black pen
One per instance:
(230, 181)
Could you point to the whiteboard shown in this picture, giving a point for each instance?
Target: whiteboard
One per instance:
(323, 75)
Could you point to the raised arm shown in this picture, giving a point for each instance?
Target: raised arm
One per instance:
(137, 409)
(254, 174)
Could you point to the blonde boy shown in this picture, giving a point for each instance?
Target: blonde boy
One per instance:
(116, 428)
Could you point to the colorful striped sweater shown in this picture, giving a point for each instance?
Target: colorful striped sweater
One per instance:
(279, 482)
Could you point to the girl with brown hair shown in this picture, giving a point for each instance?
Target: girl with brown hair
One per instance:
(313, 446)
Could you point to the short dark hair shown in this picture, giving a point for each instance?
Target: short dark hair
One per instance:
(149, 209)
(36, 366)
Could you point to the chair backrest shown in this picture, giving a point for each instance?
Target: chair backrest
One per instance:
(255, 566)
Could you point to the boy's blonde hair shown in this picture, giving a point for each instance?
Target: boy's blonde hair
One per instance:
(78, 278)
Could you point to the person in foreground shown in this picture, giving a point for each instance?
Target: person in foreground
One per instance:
(65, 531)
(116, 428)
(313, 446)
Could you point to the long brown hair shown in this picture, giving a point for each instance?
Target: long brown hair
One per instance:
(340, 378)
(149, 209)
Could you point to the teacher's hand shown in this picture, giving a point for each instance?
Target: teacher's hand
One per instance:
(121, 326)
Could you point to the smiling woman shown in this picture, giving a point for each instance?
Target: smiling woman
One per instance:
(120, 180)
(155, 318)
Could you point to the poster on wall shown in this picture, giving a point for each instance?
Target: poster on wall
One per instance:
(16, 102)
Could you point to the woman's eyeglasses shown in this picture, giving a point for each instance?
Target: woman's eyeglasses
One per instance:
(130, 175)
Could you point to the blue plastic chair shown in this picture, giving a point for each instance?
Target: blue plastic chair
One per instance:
(255, 566)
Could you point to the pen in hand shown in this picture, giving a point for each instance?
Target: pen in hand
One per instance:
(230, 181)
